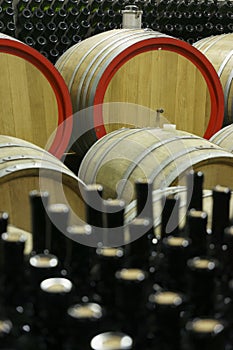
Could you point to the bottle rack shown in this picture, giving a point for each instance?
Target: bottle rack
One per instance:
(52, 26)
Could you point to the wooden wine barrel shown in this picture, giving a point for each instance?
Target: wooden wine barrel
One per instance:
(34, 99)
(218, 49)
(25, 167)
(181, 192)
(224, 138)
(162, 156)
(121, 71)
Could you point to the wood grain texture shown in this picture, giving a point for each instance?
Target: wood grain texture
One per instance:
(218, 49)
(165, 80)
(120, 158)
(28, 105)
(25, 167)
(157, 77)
(224, 138)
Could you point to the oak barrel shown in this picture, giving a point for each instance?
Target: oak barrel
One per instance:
(162, 156)
(119, 71)
(25, 167)
(224, 138)
(218, 49)
(34, 99)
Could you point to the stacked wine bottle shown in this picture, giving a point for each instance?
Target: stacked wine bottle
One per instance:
(7, 17)
(171, 291)
(190, 20)
(52, 26)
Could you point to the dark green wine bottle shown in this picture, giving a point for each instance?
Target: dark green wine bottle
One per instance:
(4, 220)
(52, 41)
(26, 30)
(97, 17)
(83, 318)
(21, 5)
(49, 15)
(197, 231)
(80, 255)
(41, 266)
(50, 28)
(176, 252)
(54, 298)
(41, 42)
(38, 15)
(76, 39)
(73, 14)
(58, 4)
(195, 190)
(165, 321)
(34, 4)
(202, 283)
(141, 237)
(170, 215)
(13, 246)
(54, 55)
(46, 4)
(95, 5)
(38, 203)
(6, 3)
(57, 222)
(30, 41)
(220, 216)
(108, 261)
(61, 29)
(24, 16)
(10, 29)
(131, 310)
(107, 4)
(60, 16)
(93, 202)
(38, 30)
(82, 4)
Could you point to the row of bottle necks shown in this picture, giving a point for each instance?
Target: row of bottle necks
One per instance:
(52, 26)
(169, 292)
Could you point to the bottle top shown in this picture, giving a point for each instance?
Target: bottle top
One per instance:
(85, 311)
(38, 194)
(43, 261)
(5, 327)
(112, 341)
(166, 298)
(131, 274)
(58, 208)
(175, 242)
(222, 189)
(113, 204)
(110, 252)
(56, 285)
(205, 326)
(79, 230)
(202, 264)
(193, 213)
(29, 41)
(14, 237)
